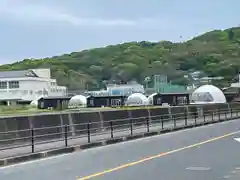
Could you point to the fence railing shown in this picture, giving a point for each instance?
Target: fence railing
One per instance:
(38, 139)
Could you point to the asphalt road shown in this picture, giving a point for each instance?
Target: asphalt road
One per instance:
(97, 137)
(207, 152)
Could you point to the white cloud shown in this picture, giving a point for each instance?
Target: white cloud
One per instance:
(36, 13)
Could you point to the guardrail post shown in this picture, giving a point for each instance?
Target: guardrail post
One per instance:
(204, 118)
(212, 117)
(66, 134)
(162, 121)
(219, 115)
(131, 126)
(147, 124)
(195, 118)
(174, 121)
(185, 117)
(231, 112)
(111, 127)
(225, 115)
(88, 132)
(32, 137)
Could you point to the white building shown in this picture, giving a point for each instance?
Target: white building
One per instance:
(125, 89)
(28, 85)
(119, 90)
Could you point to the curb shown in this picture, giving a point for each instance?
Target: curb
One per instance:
(19, 159)
(65, 150)
(114, 141)
(90, 145)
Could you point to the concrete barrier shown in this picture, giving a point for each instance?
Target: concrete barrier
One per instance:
(14, 124)
(147, 134)
(3, 162)
(235, 106)
(214, 108)
(64, 150)
(179, 111)
(158, 114)
(81, 121)
(135, 136)
(192, 111)
(19, 159)
(114, 141)
(139, 116)
(121, 118)
(91, 145)
(44, 126)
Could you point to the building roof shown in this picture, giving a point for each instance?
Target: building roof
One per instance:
(54, 98)
(104, 96)
(17, 74)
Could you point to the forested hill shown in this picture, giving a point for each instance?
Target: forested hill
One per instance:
(217, 53)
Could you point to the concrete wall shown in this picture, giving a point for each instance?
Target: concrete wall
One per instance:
(51, 124)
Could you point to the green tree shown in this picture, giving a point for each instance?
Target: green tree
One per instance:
(215, 53)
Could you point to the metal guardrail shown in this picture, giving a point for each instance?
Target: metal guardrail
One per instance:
(96, 131)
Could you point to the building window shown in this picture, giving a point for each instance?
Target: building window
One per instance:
(115, 102)
(13, 84)
(25, 92)
(53, 83)
(91, 102)
(159, 101)
(3, 85)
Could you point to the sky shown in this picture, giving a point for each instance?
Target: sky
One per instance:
(45, 28)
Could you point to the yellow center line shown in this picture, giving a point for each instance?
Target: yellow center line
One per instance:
(156, 156)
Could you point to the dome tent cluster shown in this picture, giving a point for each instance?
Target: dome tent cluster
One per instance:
(202, 95)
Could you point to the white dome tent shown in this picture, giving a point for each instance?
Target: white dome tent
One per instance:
(137, 99)
(77, 101)
(34, 103)
(150, 98)
(208, 94)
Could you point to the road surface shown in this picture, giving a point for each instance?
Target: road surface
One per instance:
(208, 152)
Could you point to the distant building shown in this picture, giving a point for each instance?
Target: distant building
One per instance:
(236, 84)
(105, 101)
(172, 99)
(125, 89)
(119, 90)
(28, 85)
(199, 78)
(161, 85)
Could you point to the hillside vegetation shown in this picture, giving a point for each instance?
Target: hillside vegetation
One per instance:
(216, 53)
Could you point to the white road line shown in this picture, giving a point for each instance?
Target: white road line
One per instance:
(198, 168)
